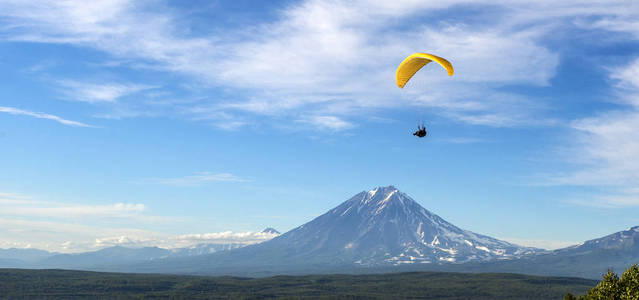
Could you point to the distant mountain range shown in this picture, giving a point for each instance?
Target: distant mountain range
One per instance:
(105, 258)
(375, 231)
(22, 256)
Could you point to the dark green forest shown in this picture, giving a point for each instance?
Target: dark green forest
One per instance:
(64, 284)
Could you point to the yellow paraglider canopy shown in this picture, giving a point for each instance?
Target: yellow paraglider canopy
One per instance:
(416, 61)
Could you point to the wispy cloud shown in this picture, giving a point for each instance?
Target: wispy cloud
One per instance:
(71, 227)
(464, 140)
(604, 148)
(73, 237)
(197, 179)
(120, 210)
(608, 198)
(327, 122)
(17, 205)
(225, 237)
(39, 115)
(628, 76)
(330, 58)
(49, 225)
(352, 74)
(57, 235)
(170, 241)
(98, 92)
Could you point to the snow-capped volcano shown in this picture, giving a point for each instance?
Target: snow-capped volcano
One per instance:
(379, 228)
(386, 226)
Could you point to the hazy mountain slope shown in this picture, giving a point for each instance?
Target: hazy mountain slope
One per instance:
(202, 249)
(13, 263)
(109, 256)
(590, 259)
(115, 256)
(27, 255)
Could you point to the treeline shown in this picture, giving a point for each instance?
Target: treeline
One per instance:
(61, 284)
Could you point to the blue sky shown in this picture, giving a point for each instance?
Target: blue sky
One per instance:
(160, 123)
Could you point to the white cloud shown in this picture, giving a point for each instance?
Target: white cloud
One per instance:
(604, 153)
(25, 207)
(123, 28)
(464, 140)
(230, 125)
(623, 21)
(98, 92)
(39, 115)
(608, 197)
(183, 240)
(605, 147)
(330, 57)
(327, 122)
(57, 235)
(628, 76)
(172, 241)
(12, 206)
(197, 179)
(68, 227)
(226, 237)
(14, 196)
(298, 61)
(70, 237)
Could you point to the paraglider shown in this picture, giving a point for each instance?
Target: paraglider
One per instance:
(421, 131)
(414, 63)
(410, 66)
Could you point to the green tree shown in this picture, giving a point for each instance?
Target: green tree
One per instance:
(614, 288)
(607, 289)
(629, 283)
